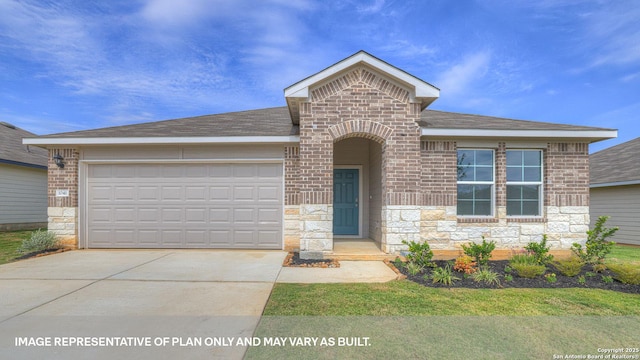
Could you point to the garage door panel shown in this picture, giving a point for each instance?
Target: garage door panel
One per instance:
(185, 205)
(100, 193)
(269, 216)
(244, 216)
(243, 193)
(125, 215)
(196, 216)
(268, 238)
(220, 193)
(172, 193)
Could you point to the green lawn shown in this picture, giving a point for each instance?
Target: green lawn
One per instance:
(406, 298)
(10, 242)
(405, 320)
(625, 253)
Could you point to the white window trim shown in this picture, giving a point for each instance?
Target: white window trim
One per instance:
(539, 183)
(492, 183)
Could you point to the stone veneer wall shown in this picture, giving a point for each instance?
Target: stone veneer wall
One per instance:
(63, 211)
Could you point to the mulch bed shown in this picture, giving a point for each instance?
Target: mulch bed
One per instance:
(592, 282)
(293, 260)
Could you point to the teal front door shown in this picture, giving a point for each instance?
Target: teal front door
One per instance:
(345, 202)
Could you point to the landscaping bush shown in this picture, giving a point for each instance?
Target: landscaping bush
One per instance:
(540, 251)
(465, 264)
(626, 273)
(526, 266)
(597, 246)
(413, 268)
(486, 275)
(419, 253)
(480, 252)
(38, 242)
(570, 266)
(443, 275)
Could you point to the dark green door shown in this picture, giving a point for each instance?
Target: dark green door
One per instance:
(345, 202)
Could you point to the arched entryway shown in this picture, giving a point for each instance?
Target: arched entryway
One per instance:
(357, 189)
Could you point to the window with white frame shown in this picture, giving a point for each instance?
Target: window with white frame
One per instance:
(524, 182)
(475, 182)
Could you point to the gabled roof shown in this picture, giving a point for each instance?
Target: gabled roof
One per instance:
(617, 165)
(421, 90)
(274, 125)
(12, 151)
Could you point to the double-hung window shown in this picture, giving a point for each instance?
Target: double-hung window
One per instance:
(524, 182)
(475, 182)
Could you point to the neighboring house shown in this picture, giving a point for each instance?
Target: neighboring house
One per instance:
(615, 189)
(354, 153)
(23, 181)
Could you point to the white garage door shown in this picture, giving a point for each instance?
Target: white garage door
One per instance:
(184, 206)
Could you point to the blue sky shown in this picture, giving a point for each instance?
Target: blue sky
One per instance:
(74, 65)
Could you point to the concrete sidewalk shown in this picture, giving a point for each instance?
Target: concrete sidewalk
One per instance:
(349, 271)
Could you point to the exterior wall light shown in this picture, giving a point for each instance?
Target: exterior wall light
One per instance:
(59, 160)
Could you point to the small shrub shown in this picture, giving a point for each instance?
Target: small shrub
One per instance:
(398, 263)
(529, 271)
(508, 269)
(508, 278)
(413, 268)
(582, 280)
(443, 275)
(480, 252)
(526, 266)
(599, 267)
(626, 273)
(589, 274)
(486, 275)
(39, 241)
(597, 246)
(540, 251)
(570, 266)
(465, 264)
(551, 278)
(522, 259)
(419, 253)
(607, 279)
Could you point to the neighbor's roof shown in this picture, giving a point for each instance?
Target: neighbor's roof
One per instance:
(12, 151)
(617, 165)
(276, 123)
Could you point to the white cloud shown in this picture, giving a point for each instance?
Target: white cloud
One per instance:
(370, 8)
(458, 79)
(630, 77)
(404, 48)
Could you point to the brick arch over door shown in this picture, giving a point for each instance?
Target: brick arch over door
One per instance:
(360, 128)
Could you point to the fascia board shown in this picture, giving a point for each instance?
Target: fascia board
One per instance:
(161, 140)
(575, 134)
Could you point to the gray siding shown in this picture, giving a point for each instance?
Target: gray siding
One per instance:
(23, 195)
(622, 203)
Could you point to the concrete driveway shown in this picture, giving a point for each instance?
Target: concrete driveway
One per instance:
(135, 304)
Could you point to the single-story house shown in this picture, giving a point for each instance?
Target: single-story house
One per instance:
(615, 189)
(355, 153)
(23, 181)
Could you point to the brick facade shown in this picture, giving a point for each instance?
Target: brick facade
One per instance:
(63, 211)
(360, 103)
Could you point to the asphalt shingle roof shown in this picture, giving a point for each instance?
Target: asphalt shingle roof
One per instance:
(277, 122)
(618, 163)
(14, 152)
